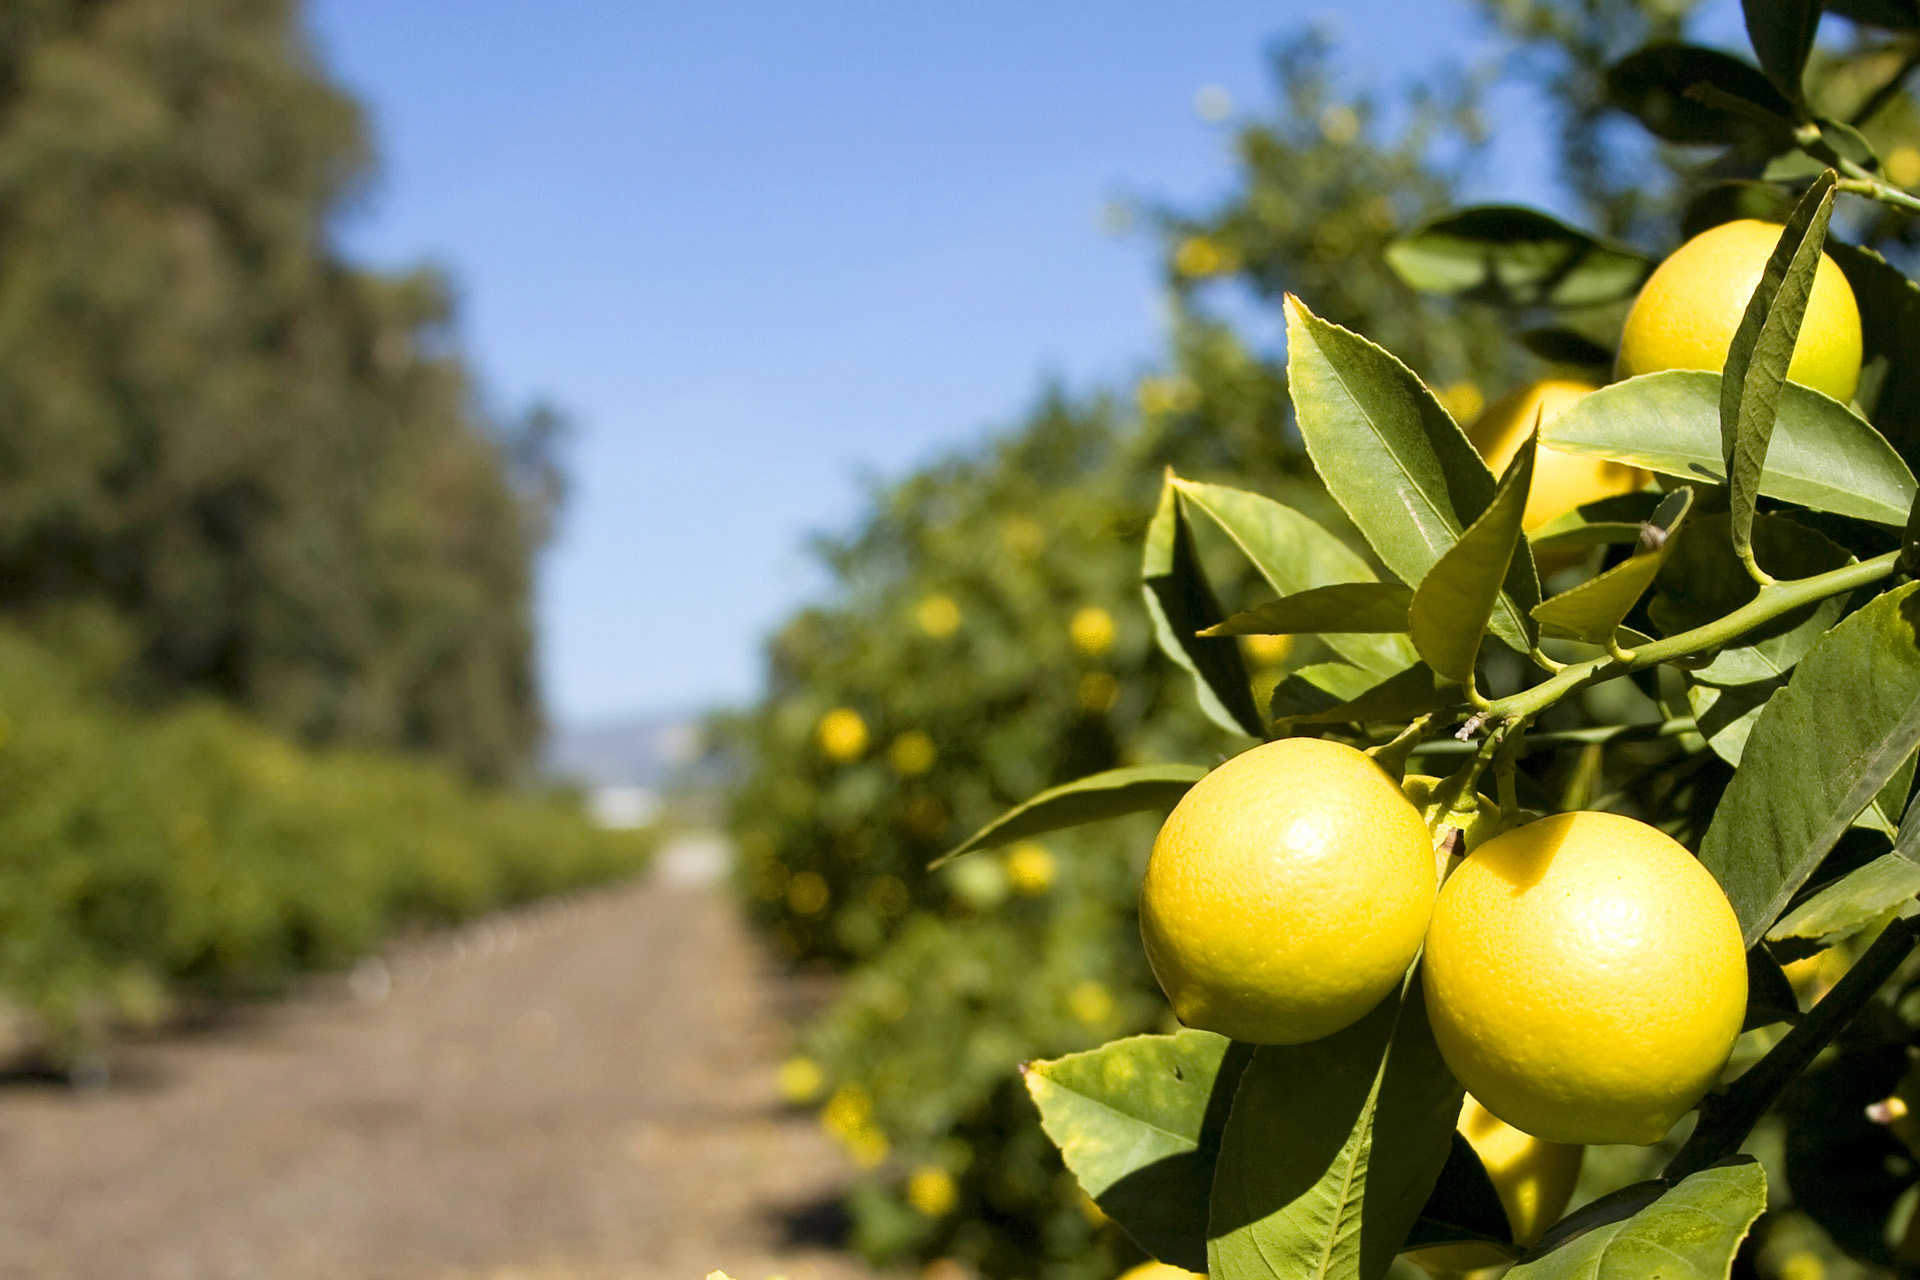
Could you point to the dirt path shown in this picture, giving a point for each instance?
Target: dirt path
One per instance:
(576, 1091)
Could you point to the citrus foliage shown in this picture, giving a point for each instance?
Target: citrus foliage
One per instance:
(1723, 656)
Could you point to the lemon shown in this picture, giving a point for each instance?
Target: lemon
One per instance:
(1585, 978)
(1561, 481)
(1534, 1178)
(1688, 310)
(1160, 1271)
(842, 735)
(1287, 893)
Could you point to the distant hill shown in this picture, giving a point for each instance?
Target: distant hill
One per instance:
(639, 751)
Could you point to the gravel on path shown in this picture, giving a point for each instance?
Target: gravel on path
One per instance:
(580, 1090)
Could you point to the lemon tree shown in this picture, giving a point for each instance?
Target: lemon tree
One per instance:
(1640, 787)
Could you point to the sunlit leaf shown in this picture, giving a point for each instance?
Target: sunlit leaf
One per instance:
(1516, 257)
(1689, 1232)
(1295, 553)
(1455, 601)
(1762, 347)
(1402, 696)
(1138, 1122)
(1136, 789)
(1331, 1150)
(1821, 751)
(1851, 903)
(1594, 610)
(1346, 607)
(1392, 458)
(1182, 604)
(1821, 456)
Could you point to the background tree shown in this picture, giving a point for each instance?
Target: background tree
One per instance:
(272, 467)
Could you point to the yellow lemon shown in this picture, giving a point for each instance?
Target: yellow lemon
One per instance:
(1585, 978)
(1687, 311)
(1160, 1271)
(1561, 481)
(842, 735)
(1287, 893)
(1092, 631)
(1534, 1178)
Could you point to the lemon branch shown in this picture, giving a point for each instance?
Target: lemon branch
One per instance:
(1773, 601)
(1726, 1119)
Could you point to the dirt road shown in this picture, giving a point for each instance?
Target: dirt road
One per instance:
(577, 1091)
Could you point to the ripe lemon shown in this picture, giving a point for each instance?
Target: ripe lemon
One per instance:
(1561, 481)
(1585, 978)
(1534, 1178)
(1287, 893)
(1687, 311)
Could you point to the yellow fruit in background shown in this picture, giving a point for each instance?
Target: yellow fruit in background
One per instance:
(1535, 1180)
(842, 735)
(1287, 893)
(1092, 631)
(1689, 308)
(1030, 868)
(1160, 1271)
(912, 753)
(931, 1191)
(1585, 978)
(1561, 481)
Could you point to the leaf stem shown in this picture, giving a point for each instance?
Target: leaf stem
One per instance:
(1861, 183)
(1773, 600)
(1727, 1119)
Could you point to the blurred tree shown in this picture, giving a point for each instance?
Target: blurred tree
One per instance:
(271, 465)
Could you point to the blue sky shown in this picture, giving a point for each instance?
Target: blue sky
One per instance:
(761, 251)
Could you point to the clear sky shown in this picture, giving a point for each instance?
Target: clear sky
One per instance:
(762, 251)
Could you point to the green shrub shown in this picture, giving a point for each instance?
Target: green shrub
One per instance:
(147, 856)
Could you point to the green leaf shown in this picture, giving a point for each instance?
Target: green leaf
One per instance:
(1819, 754)
(1594, 610)
(1821, 456)
(1319, 687)
(1455, 601)
(1181, 603)
(1770, 996)
(1516, 257)
(1331, 1150)
(1725, 716)
(1762, 347)
(1402, 696)
(1295, 553)
(1345, 607)
(1393, 459)
(1606, 522)
(1102, 795)
(1702, 582)
(1896, 15)
(1138, 1121)
(1889, 388)
(1689, 1233)
(1464, 1205)
(1851, 903)
(1651, 85)
(1782, 33)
